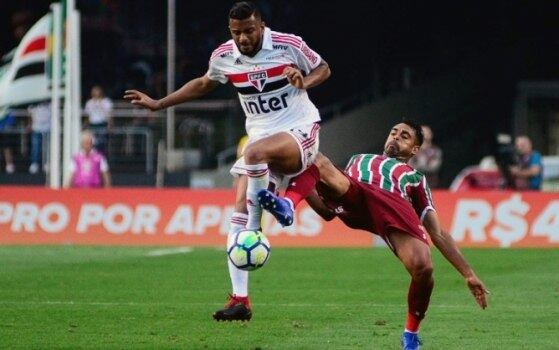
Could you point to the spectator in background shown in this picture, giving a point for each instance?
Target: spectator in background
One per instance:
(99, 108)
(429, 158)
(485, 176)
(89, 168)
(5, 123)
(528, 171)
(39, 128)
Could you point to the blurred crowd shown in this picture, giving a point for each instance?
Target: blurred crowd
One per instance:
(124, 46)
(97, 126)
(515, 165)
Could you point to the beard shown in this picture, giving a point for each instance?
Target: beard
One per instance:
(251, 49)
(246, 50)
(392, 150)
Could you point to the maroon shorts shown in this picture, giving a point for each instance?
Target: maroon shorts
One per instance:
(377, 211)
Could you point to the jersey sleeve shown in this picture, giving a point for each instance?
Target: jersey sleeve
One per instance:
(215, 73)
(536, 159)
(305, 58)
(108, 105)
(351, 162)
(88, 107)
(422, 201)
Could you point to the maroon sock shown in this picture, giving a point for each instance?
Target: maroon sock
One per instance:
(300, 186)
(419, 295)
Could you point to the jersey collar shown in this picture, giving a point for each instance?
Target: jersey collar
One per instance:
(266, 43)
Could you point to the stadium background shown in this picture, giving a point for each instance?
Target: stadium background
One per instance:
(464, 69)
(396, 49)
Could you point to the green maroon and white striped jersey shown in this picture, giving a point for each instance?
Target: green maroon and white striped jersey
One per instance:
(390, 174)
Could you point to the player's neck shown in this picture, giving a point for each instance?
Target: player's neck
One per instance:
(258, 48)
(400, 159)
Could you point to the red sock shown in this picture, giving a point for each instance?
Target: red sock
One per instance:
(412, 323)
(419, 295)
(300, 186)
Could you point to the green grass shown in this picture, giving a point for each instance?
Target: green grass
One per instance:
(114, 298)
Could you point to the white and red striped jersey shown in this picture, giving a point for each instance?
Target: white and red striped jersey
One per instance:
(390, 174)
(270, 103)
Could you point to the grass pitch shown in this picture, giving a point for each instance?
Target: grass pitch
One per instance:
(116, 298)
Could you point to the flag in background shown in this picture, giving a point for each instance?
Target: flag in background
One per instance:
(22, 74)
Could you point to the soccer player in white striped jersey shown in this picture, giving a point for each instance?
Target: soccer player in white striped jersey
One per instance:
(271, 72)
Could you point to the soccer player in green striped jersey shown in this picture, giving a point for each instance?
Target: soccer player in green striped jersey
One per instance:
(382, 194)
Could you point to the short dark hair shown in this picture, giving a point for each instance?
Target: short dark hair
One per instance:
(417, 128)
(243, 10)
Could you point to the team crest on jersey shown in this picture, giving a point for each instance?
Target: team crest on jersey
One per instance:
(258, 79)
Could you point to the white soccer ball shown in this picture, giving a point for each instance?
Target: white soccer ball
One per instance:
(250, 250)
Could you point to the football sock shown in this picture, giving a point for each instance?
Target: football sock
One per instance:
(258, 178)
(419, 295)
(302, 185)
(239, 278)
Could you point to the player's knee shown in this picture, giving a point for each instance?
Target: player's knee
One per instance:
(253, 155)
(322, 163)
(326, 169)
(421, 269)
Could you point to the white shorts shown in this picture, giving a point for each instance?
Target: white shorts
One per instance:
(307, 138)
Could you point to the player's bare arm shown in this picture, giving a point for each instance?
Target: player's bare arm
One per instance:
(447, 246)
(106, 179)
(316, 77)
(192, 90)
(318, 205)
(333, 183)
(534, 170)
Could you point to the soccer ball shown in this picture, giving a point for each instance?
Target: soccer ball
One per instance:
(250, 250)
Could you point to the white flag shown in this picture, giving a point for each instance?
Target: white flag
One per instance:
(22, 74)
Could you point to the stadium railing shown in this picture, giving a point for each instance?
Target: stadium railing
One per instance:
(208, 127)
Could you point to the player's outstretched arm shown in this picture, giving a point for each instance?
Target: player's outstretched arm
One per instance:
(316, 77)
(447, 246)
(319, 207)
(192, 90)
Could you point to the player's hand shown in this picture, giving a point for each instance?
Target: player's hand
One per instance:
(514, 170)
(295, 77)
(478, 290)
(140, 99)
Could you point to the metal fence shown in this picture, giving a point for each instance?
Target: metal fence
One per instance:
(130, 141)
